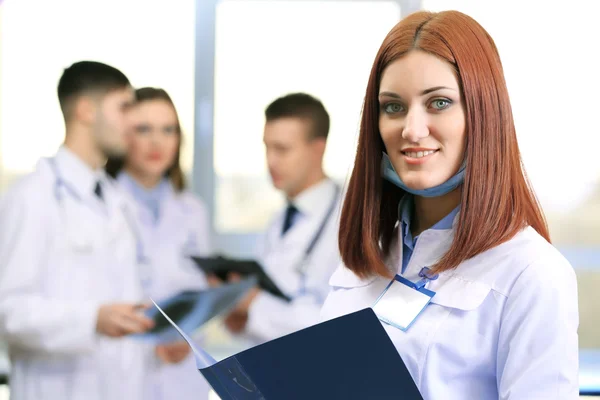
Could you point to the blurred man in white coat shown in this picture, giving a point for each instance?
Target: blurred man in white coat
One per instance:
(299, 250)
(71, 283)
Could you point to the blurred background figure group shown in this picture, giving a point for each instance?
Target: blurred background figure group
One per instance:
(232, 129)
(80, 266)
(119, 227)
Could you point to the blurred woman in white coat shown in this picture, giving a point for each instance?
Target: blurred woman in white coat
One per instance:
(451, 248)
(175, 225)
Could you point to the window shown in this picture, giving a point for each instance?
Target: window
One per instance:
(266, 49)
(552, 76)
(152, 42)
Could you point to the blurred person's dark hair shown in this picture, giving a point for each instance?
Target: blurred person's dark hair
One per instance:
(302, 106)
(87, 78)
(175, 172)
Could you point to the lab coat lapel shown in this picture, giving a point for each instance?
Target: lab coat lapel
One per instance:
(297, 235)
(118, 212)
(170, 216)
(174, 221)
(284, 254)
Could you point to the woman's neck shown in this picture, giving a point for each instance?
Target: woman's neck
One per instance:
(431, 210)
(144, 180)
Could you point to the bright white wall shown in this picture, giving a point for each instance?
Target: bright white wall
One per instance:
(550, 57)
(151, 41)
(265, 49)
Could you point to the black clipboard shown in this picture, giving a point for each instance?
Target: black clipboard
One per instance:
(222, 266)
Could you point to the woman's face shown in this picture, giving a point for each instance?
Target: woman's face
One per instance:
(154, 142)
(422, 119)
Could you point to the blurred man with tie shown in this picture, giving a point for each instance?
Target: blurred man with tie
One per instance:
(71, 279)
(299, 249)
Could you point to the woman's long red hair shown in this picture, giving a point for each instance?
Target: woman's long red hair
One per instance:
(497, 200)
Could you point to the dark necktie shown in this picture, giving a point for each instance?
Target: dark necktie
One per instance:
(98, 191)
(290, 213)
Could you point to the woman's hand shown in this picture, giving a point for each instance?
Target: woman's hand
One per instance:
(173, 353)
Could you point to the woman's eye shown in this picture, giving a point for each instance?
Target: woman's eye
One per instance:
(170, 130)
(142, 129)
(393, 108)
(440, 104)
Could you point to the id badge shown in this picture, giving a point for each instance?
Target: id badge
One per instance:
(401, 303)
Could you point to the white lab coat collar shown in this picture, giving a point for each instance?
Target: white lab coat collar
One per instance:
(153, 201)
(464, 287)
(433, 244)
(310, 201)
(451, 288)
(164, 187)
(76, 173)
(313, 205)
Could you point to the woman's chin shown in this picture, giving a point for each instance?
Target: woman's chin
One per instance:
(422, 180)
(419, 184)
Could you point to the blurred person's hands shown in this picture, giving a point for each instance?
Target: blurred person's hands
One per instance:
(213, 281)
(238, 318)
(233, 277)
(236, 321)
(120, 319)
(173, 353)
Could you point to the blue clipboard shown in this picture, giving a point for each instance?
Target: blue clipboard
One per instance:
(192, 309)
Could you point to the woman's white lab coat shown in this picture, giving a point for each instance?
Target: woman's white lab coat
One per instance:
(503, 325)
(181, 230)
(59, 261)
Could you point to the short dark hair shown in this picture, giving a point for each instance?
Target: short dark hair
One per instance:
(303, 106)
(87, 77)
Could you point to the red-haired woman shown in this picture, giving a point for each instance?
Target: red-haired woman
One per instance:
(451, 248)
